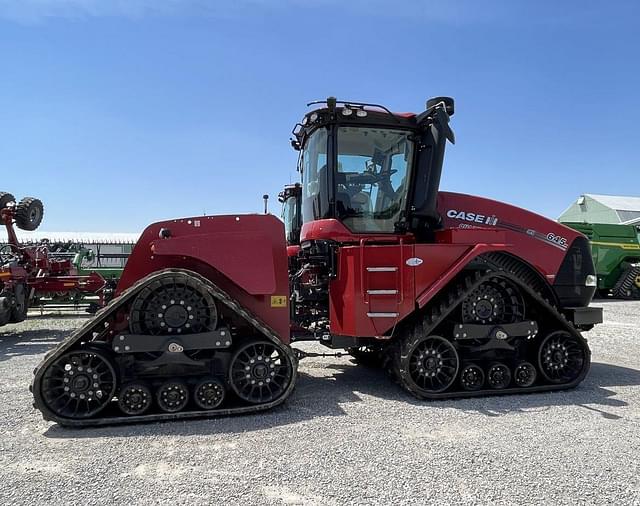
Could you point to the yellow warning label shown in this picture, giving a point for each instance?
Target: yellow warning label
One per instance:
(278, 301)
(617, 245)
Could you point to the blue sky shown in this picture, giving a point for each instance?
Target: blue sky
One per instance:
(120, 113)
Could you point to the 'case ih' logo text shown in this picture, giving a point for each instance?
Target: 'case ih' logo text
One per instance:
(473, 217)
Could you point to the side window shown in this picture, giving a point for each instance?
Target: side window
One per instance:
(290, 221)
(314, 177)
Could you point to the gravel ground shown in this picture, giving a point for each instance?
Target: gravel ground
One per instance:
(346, 435)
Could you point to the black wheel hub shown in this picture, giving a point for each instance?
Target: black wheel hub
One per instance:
(524, 374)
(499, 376)
(494, 301)
(172, 396)
(134, 399)
(176, 316)
(433, 364)
(260, 372)
(79, 384)
(472, 377)
(209, 393)
(562, 357)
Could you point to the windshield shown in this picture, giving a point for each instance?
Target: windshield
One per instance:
(372, 177)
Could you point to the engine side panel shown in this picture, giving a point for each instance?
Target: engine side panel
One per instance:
(245, 255)
(541, 242)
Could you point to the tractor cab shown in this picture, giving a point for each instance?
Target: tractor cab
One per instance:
(368, 176)
(374, 171)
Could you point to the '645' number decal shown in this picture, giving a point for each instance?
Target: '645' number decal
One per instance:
(557, 239)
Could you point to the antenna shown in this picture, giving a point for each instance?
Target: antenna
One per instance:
(266, 203)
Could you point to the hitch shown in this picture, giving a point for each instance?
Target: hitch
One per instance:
(306, 354)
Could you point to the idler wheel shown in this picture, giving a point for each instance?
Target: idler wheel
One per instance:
(433, 364)
(79, 384)
(524, 375)
(498, 376)
(562, 357)
(209, 393)
(134, 399)
(260, 372)
(472, 377)
(172, 396)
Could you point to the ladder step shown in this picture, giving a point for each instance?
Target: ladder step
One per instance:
(382, 269)
(382, 315)
(382, 292)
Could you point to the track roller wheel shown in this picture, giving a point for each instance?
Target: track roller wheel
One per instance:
(172, 396)
(134, 398)
(433, 364)
(79, 384)
(524, 375)
(260, 372)
(562, 357)
(472, 377)
(176, 304)
(209, 393)
(498, 376)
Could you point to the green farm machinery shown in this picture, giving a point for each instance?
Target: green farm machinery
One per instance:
(616, 254)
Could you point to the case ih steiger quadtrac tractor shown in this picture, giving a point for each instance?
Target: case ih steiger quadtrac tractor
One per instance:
(457, 295)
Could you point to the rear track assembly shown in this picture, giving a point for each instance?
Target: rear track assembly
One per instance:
(176, 358)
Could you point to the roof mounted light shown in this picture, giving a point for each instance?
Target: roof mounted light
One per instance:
(361, 113)
(346, 111)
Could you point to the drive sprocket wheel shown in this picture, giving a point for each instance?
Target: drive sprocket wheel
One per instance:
(494, 301)
(209, 393)
(173, 305)
(636, 281)
(498, 376)
(524, 375)
(433, 364)
(472, 377)
(172, 396)
(79, 384)
(562, 357)
(260, 372)
(134, 399)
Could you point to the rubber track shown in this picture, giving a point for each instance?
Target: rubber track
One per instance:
(96, 324)
(626, 284)
(442, 305)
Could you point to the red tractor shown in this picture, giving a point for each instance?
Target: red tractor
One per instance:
(454, 295)
(29, 272)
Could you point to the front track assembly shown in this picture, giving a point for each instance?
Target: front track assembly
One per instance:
(476, 338)
(172, 346)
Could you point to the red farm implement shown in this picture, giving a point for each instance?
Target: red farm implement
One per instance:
(29, 272)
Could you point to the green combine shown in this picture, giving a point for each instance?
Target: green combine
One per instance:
(616, 254)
